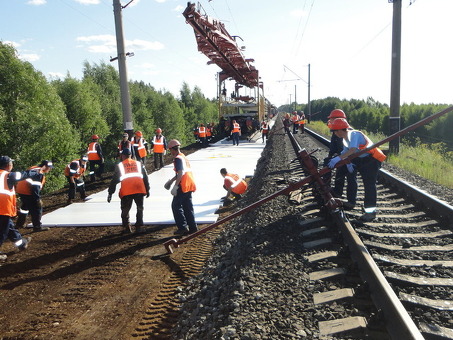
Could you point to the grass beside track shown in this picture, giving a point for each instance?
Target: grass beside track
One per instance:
(431, 161)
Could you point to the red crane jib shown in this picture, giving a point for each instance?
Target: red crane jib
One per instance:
(219, 46)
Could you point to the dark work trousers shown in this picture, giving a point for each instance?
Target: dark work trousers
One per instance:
(302, 128)
(183, 213)
(96, 170)
(7, 230)
(158, 160)
(368, 167)
(295, 127)
(235, 137)
(203, 142)
(341, 175)
(126, 205)
(78, 185)
(29, 205)
(263, 135)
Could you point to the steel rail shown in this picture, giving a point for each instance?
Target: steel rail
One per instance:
(399, 324)
(435, 206)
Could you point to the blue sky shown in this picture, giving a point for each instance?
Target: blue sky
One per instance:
(346, 42)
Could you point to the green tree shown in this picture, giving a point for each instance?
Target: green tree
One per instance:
(32, 115)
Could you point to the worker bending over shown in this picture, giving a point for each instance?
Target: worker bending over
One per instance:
(367, 164)
(233, 184)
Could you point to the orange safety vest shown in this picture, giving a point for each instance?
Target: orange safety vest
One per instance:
(202, 131)
(187, 181)
(294, 119)
(120, 146)
(7, 196)
(236, 128)
(92, 152)
(131, 178)
(237, 185)
(208, 132)
(25, 187)
(76, 173)
(376, 152)
(141, 147)
(158, 144)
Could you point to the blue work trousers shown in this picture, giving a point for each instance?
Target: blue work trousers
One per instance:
(183, 213)
(7, 230)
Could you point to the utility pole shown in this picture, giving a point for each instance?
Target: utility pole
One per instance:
(394, 119)
(124, 86)
(290, 102)
(295, 100)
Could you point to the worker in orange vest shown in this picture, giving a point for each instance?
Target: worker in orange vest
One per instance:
(96, 158)
(8, 206)
(367, 164)
(134, 187)
(74, 174)
(139, 147)
(159, 145)
(295, 121)
(235, 132)
(202, 135)
(301, 122)
(29, 192)
(184, 186)
(233, 184)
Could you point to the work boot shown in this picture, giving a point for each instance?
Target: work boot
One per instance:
(181, 232)
(139, 229)
(126, 229)
(25, 242)
(40, 228)
(69, 201)
(368, 217)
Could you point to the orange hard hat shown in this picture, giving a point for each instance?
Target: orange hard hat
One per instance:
(173, 143)
(158, 130)
(338, 124)
(138, 133)
(94, 137)
(337, 113)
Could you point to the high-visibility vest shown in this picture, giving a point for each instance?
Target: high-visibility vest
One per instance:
(76, 173)
(294, 119)
(208, 132)
(141, 147)
(7, 196)
(376, 152)
(236, 127)
(202, 131)
(187, 181)
(92, 152)
(158, 144)
(25, 187)
(237, 185)
(265, 127)
(131, 178)
(122, 145)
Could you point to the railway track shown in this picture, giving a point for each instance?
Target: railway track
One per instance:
(403, 257)
(390, 278)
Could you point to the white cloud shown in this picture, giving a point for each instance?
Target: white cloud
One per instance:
(107, 44)
(179, 8)
(37, 2)
(31, 57)
(88, 2)
(12, 43)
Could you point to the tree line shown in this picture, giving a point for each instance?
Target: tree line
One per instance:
(372, 116)
(54, 120)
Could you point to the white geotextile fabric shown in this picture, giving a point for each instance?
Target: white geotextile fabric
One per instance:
(206, 164)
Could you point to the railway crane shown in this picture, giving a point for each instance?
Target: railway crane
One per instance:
(214, 41)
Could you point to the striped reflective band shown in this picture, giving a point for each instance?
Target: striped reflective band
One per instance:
(32, 182)
(235, 183)
(125, 175)
(6, 190)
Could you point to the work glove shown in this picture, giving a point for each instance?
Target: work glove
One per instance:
(333, 162)
(351, 167)
(168, 184)
(174, 191)
(147, 194)
(109, 198)
(39, 203)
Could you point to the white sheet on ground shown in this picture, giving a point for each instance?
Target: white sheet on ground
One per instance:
(206, 164)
